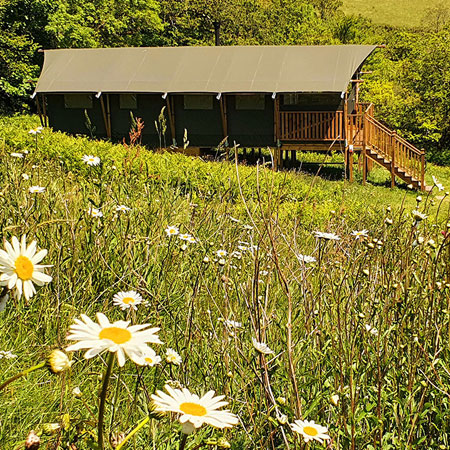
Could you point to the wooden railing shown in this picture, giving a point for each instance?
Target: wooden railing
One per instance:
(355, 123)
(394, 148)
(311, 125)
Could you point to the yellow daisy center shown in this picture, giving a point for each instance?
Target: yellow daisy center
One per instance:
(128, 300)
(194, 409)
(310, 431)
(115, 334)
(149, 360)
(24, 268)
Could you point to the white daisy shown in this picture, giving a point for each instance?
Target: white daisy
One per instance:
(194, 410)
(360, 234)
(117, 337)
(192, 240)
(221, 253)
(91, 160)
(172, 231)
(20, 268)
(184, 236)
(236, 254)
(418, 216)
(36, 189)
(122, 208)
(126, 300)
(7, 354)
(151, 358)
(16, 155)
(305, 259)
(371, 330)
(437, 184)
(172, 357)
(94, 212)
(261, 347)
(327, 236)
(232, 323)
(310, 431)
(25, 176)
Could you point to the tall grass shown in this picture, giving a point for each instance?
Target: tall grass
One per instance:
(368, 322)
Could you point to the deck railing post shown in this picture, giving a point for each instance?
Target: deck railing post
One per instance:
(422, 170)
(364, 156)
(392, 151)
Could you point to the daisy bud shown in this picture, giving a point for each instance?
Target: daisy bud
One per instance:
(59, 361)
(33, 441)
(366, 272)
(222, 261)
(418, 198)
(183, 247)
(76, 391)
(281, 400)
(206, 260)
(282, 418)
(388, 221)
(187, 428)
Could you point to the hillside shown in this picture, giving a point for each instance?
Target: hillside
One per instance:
(400, 13)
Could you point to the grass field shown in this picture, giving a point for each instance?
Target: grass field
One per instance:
(358, 325)
(402, 13)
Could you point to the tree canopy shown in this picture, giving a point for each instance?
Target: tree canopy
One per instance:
(410, 84)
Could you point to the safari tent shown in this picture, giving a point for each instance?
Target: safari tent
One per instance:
(286, 97)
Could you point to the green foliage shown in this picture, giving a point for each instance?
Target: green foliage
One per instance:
(17, 70)
(98, 23)
(410, 88)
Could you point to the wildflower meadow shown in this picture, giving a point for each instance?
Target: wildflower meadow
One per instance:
(155, 301)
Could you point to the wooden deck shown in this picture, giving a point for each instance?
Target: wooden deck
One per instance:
(357, 132)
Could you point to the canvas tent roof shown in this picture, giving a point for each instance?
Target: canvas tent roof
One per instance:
(213, 70)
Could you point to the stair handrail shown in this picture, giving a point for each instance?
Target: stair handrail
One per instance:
(402, 154)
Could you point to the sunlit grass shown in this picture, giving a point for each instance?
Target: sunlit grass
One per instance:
(370, 318)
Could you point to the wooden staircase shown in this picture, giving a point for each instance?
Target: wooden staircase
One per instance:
(386, 148)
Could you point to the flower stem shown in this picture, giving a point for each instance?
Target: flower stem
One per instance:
(133, 432)
(23, 374)
(101, 410)
(183, 441)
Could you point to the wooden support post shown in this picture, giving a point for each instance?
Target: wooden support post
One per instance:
(108, 117)
(105, 120)
(393, 159)
(350, 164)
(44, 110)
(223, 114)
(38, 106)
(171, 115)
(422, 170)
(345, 129)
(364, 156)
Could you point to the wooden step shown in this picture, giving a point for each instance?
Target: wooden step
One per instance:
(398, 171)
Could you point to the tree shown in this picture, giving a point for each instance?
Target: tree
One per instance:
(105, 23)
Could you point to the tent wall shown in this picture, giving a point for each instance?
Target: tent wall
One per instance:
(251, 128)
(247, 126)
(73, 120)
